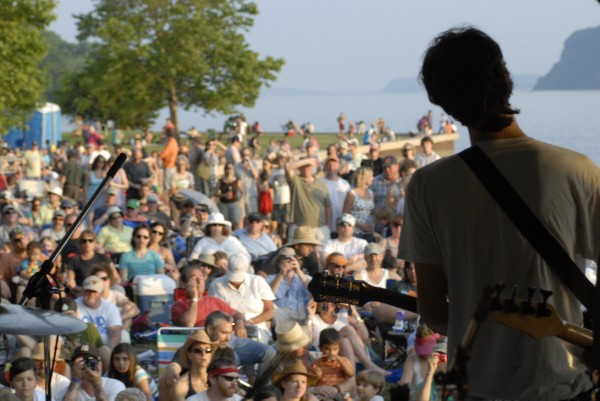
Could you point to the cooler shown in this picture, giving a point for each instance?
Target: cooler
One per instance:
(154, 294)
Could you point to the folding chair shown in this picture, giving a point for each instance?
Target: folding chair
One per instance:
(168, 341)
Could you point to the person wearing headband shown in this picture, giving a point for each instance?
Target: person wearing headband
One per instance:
(222, 382)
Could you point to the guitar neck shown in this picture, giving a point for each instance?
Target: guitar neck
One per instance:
(576, 335)
(393, 298)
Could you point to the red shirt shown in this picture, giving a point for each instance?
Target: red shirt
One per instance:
(206, 305)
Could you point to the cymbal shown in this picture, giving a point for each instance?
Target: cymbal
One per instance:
(17, 319)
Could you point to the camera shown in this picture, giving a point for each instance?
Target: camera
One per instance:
(91, 362)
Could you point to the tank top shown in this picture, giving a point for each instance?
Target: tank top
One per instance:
(191, 390)
(226, 188)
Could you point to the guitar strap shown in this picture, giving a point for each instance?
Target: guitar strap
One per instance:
(538, 235)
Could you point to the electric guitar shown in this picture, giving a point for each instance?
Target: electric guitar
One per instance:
(328, 288)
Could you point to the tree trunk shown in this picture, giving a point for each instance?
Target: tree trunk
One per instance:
(173, 108)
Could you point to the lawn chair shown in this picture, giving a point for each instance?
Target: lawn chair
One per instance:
(168, 341)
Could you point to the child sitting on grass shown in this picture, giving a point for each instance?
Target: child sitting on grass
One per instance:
(331, 368)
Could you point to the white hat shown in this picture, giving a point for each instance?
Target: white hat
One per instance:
(217, 218)
(346, 218)
(56, 190)
(238, 266)
(93, 283)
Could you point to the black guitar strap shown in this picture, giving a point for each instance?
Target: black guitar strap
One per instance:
(538, 235)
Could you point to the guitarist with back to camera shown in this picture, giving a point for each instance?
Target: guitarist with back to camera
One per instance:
(461, 240)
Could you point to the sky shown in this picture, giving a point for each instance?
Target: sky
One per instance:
(350, 46)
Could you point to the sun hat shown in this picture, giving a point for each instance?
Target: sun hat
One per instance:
(291, 336)
(217, 218)
(304, 235)
(206, 259)
(56, 191)
(294, 367)
(199, 336)
(237, 267)
(93, 283)
(373, 249)
(424, 345)
(346, 218)
(38, 353)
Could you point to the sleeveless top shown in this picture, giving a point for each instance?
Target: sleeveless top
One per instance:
(362, 275)
(226, 188)
(191, 390)
(361, 209)
(93, 184)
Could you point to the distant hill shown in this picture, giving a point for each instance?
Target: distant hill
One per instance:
(579, 65)
(399, 85)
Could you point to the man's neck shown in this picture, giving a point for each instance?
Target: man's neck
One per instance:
(512, 131)
(332, 176)
(215, 395)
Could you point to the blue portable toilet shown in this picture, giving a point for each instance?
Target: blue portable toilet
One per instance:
(44, 125)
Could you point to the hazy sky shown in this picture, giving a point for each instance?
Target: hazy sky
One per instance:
(352, 45)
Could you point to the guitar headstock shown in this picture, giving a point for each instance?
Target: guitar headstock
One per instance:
(329, 288)
(536, 319)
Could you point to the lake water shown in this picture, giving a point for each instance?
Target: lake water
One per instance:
(568, 118)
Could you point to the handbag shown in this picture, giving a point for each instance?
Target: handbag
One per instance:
(538, 235)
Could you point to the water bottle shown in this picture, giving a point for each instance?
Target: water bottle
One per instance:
(399, 325)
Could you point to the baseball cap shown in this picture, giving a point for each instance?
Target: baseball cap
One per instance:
(287, 251)
(152, 198)
(344, 145)
(86, 350)
(254, 217)
(114, 209)
(389, 161)
(133, 204)
(373, 249)
(16, 232)
(347, 219)
(112, 191)
(336, 259)
(203, 207)
(67, 203)
(6, 208)
(93, 283)
(56, 191)
(237, 268)
(59, 212)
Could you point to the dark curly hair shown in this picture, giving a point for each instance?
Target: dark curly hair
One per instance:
(464, 72)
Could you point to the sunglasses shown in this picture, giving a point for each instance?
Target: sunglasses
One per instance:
(158, 232)
(229, 379)
(142, 236)
(10, 212)
(86, 240)
(199, 351)
(18, 239)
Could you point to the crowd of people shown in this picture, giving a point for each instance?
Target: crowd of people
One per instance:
(240, 231)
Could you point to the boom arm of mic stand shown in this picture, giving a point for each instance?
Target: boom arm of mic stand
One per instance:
(39, 280)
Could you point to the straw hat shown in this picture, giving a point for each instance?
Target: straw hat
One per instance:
(294, 367)
(199, 336)
(291, 336)
(217, 218)
(304, 235)
(38, 353)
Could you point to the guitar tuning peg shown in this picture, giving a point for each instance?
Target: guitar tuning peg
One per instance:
(526, 308)
(510, 306)
(542, 309)
(498, 288)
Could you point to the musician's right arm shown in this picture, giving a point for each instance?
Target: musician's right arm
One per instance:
(432, 296)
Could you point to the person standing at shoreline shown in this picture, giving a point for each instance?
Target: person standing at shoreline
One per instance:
(457, 231)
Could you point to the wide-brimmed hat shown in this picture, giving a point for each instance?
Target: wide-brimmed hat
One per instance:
(207, 260)
(304, 235)
(424, 345)
(199, 336)
(291, 336)
(294, 367)
(217, 218)
(38, 353)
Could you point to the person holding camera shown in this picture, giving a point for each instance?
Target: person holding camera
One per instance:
(289, 286)
(87, 382)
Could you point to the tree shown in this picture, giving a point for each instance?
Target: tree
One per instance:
(21, 50)
(148, 54)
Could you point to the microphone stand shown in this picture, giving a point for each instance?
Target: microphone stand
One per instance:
(43, 283)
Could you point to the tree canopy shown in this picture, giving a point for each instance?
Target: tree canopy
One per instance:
(21, 50)
(151, 54)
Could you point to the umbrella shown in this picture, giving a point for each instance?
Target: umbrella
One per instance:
(199, 198)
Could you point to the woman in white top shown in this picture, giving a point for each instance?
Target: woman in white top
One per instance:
(218, 238)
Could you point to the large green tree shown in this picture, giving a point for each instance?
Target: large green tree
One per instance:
(21, 50)
(150, 54)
